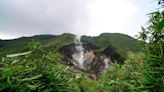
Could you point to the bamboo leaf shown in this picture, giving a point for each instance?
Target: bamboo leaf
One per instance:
(9, 80)
(33, 78)
(160, 25)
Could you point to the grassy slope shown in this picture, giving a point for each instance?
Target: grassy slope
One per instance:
(32, 70)
(122, 43)
(20, 44)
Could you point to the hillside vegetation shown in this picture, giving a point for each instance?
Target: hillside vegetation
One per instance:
(118, 41)
(122, 43)
(36, 64)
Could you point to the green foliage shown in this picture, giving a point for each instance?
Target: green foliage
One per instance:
(153, 37)
(124, 78)
(33, 45)
(20, 45)
(86, 84)
(42, 70)
(38, 71)
(116, 40)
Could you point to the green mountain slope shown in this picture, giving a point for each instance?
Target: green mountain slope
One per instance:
(20, 44)
(122, 43)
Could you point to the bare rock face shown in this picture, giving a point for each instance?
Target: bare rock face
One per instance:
(89, 59)
(93, 62)
(106, 61)
(69, 50)
(114, 56)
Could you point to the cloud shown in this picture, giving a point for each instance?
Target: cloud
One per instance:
(30, 17)
(111, 16)
(89, 17)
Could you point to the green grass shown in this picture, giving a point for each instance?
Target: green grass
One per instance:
(122, 43)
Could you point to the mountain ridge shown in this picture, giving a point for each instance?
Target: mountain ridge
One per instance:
(54, 41)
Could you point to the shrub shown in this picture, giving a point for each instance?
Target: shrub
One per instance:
(123, 78)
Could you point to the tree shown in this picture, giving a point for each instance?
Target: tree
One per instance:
(153, 37)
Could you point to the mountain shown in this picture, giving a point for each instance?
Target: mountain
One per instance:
(120, 42)
(20, 44)
(95, 53)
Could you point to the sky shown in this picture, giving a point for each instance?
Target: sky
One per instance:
(81, 17)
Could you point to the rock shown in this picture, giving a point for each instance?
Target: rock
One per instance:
(94, 62)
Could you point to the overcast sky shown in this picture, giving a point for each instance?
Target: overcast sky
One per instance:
(90, 17)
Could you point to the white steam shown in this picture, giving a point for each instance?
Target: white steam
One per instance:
(78, 56)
